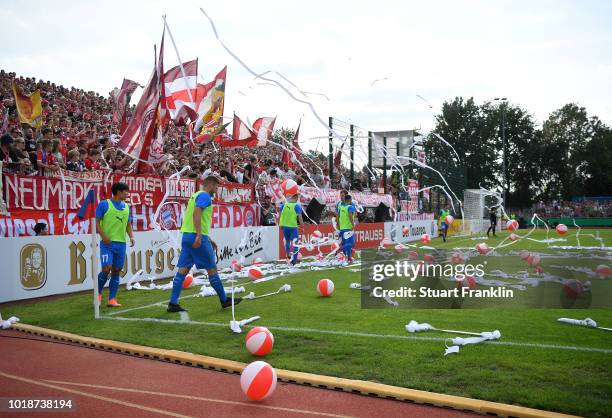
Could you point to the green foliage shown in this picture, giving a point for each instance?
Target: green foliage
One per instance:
(282, 135)
(569, 156)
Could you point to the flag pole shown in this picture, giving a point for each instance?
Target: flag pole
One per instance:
(94, 266)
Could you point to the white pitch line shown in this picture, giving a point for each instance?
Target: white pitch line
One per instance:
(369, 335)
(160, 303)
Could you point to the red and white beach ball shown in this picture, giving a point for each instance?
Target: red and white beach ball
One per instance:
(534, 260)
(413, 255)
(457, 258)
(259, 341)
(603, 271)
(573, 288)
(482, 248)
(425, 239)
(561, 229)
(325, 287)
(188, 281)
(255, 273)
(399, 248)
(289, 187)
(258, 380)
(512, 225)
(449, 220)
(428, 258)
(467, 282)
(257, 261)
(236, 266)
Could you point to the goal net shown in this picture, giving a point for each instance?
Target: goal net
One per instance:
(476, 206)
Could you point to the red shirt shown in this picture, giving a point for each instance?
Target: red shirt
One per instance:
(91, 164)
(45, 158)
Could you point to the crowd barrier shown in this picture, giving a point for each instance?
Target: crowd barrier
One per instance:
(27, 200)
(582, 222)
(51, 265)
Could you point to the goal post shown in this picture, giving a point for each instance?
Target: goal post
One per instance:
(476, 205)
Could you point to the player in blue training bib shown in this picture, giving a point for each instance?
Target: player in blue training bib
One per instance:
(113, 221)
(290, 214)
(443, 225)
(346, 222)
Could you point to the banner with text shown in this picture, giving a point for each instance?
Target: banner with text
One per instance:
(52, 265)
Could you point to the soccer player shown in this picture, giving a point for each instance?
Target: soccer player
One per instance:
(443, 225)
(113, 220)
(343, 194)
(493, 219)
(197, 247)
(290, 214)
(346, 221)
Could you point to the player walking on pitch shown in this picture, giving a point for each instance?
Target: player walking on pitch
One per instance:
(113, 220)
(346, 223)
(493, 219)
(197, 247)
(443, 225)
(290, 214)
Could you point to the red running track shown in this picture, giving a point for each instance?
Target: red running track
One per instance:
(108, 384)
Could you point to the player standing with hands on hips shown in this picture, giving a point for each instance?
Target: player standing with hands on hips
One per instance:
(197, 247)
(113, 220)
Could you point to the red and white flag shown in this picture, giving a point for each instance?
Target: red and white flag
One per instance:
(242, 136)
(121, 101)
(177, 89)
(143, 126)
(263, 130)
(338, 157)
(295, 146)
(210, 105)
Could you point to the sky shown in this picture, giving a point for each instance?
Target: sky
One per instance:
(367, 60)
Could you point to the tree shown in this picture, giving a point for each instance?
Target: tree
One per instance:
(464, 126)
(598, 157)
(523, 151)
(282, 135)
(566, 133)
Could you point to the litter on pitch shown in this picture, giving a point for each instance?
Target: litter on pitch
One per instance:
(235, 325)
(206, 291)
(478, 337)
(283, 289)
(586, 322)
(8, 323)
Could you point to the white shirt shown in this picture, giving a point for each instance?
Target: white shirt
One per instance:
(289, 174)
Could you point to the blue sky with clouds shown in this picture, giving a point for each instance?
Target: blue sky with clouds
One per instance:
(540, 54)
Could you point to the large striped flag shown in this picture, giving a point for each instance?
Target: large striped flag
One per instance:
(143, 126)
(121, 101)
(177, 88)
(295, 146)
(211, 101)
(263, 130)
(242, 135)
(29, 107)
(296, 152)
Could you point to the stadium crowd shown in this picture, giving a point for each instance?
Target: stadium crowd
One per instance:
(77, 134)
(571, 209)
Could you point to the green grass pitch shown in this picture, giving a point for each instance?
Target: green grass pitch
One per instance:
(537, 363)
